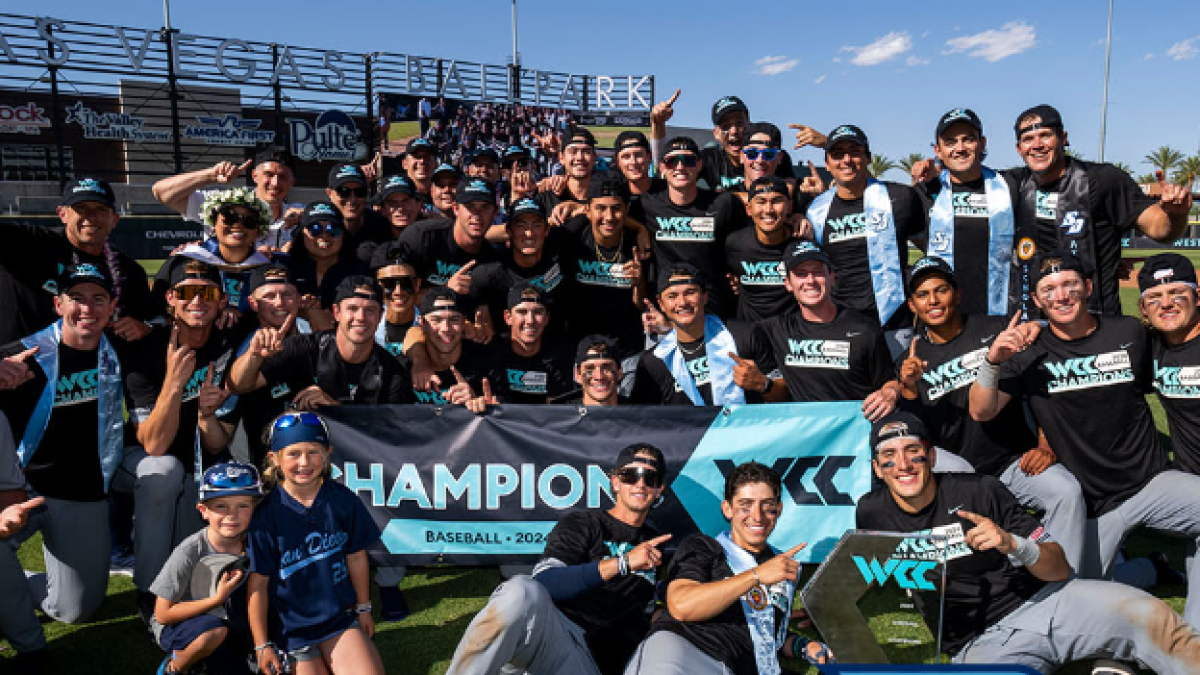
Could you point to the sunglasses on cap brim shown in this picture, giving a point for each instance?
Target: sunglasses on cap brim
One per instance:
(205, 292)
(630, 475)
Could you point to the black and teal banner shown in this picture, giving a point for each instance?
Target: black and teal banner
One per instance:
(447, 486)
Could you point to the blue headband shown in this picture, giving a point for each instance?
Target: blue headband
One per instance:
(294, 428)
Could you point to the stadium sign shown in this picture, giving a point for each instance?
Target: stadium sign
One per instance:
(229, 130)
(109, 126)
(28, 119)
(334, 137)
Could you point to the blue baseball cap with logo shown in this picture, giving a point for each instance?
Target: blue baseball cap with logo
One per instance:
(89, 190)
(321, 212)
(475, 190)
(847, 132)
(230, 479)
(514, 152)
(74, 274)
(802, 251)
(523, 206)
(446, 169)
(397, 184)
(341, 174)
(965, 115)
(486, 152)
(419, 145)
(930, 264)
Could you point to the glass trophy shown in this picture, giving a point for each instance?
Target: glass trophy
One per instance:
(877, 598)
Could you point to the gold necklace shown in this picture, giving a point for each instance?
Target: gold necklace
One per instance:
(616, 257)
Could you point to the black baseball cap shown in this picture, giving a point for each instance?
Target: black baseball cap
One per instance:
(89, 190)
(475, 190)
(629, 455)
(341, 174)
(958, 115)
(514, 152)
(1047, 114)
(275, 153)
(273, 273)
(802, 251)
(446, 168)
(1069, 263)
(847, 132)
(397, 184)
(526, 292)
(440, 299)
(768, 184)
(930, 264)
(359, 286)
(418, 144)
(74, 274)
(897, 424)
(679, 274)
(525, 205)
(608, 186)
(775, 137)
(630, 139)
(726, 105)
(597, 347)
(681, 143)
(1166, 268)
(486, 152)
(194, 269)
(320, 212)
(579, 135)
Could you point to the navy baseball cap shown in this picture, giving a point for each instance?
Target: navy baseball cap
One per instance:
(446, 168)
(525, 205)
(958, 115)
(359, 286)
(597, 347)
(847, 132)
(440, 299)
(291, 428)
(526, 292)
(486, 152)
(419, 144)
(930, 264)
(1166, 268)
(802, 251)
(475, 190)
(897, 424)
(89, 190)
(514, 152)
(726, 105)
(397, 184)
(321, 212)
(341, 174)
(230, 479)
(74, 274)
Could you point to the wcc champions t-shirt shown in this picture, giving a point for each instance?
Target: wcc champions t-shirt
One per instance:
(1177, 380)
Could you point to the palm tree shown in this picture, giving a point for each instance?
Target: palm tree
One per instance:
(1074, 154)
(1146, 179)
(880, 165)
(1164, 159)
(907, 162)
(1124, 167)
(1187, 171)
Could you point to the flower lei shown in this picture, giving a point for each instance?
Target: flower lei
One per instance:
(114, 269)
(239, 196)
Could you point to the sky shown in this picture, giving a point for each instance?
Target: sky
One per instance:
(892, 68)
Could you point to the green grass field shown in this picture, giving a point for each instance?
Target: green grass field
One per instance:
(442, 602)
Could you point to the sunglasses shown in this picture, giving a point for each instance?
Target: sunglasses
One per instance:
(768, 154)
(406, 283)
(687, 160)
(288, 420)
(232, 216)
(237, 479)
(346, 192)
(191, 292)
(318, 229)
(632, 474)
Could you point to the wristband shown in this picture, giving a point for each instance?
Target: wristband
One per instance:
(623, 564)
(988, 375)
(768, 388)
(799, 651)
(754, 571)
(363, 608)
(1026, 553)
(265, 645)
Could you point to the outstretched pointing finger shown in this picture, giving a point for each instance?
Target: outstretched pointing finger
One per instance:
(739, 360)
(26, 507)
(245, 165)
(287, 325)
(1016, 319)
(465, 268)
(791, 552)
(487, 392)
(973, 517)
(674, 98)
(812, 170)
(457, 375)
(208, 374)
(657, 541)
(25, 354)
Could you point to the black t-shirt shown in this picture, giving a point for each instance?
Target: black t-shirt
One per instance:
(726, 636)
(474, 363)
(530, 379)
(944, 388)
(721, 174)
(490, 282)
(758, 270)
(982, 587)
(693, 233)
(30, 261)
(612, 615)
(843, 360)
(1089, 397)
(299, 367)
(430, 245)
(845, 241)
(1177, 379)
(375, 229)
(548, 200)
(305, 271)
(256, 410)
(148, 369)
(1115, 201)
(66, 463)
(601, 301)
(654, 384)
(971, 230)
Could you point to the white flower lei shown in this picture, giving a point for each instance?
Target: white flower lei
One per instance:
(239, 196)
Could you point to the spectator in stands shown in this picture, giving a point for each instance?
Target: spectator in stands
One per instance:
(33, 256)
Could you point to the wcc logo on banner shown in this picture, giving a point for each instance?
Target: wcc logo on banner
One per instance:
(448, 486)
(334, 137)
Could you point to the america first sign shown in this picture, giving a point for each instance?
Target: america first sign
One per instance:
(41, 42)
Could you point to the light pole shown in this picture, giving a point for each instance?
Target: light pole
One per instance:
(1107, 60)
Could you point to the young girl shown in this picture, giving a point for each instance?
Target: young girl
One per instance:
(308, 559)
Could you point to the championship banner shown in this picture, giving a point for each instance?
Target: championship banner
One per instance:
(448, 486)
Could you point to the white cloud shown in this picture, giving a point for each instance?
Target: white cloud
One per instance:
(819, 80)
(1185, 49)
(882, 50)
(774, 65)
(995, 44)
(1148, 56)
(914, 60)
(924, 35)
(837, 59)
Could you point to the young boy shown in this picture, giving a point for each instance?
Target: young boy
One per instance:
(184, 625)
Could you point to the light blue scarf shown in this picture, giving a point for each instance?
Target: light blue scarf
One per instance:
(109, 404)
(768, 639)
(718, 342)
(887, 277)
(1000, 234)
